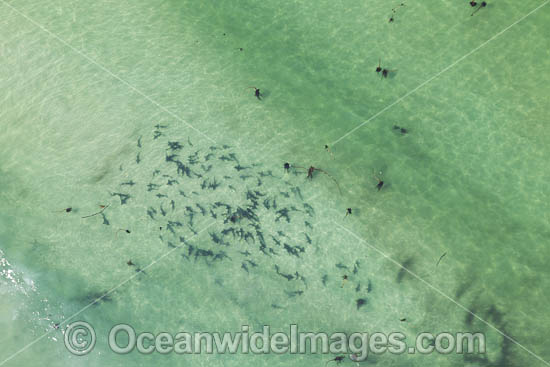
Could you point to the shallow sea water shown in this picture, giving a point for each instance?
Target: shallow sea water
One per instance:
(94, 96)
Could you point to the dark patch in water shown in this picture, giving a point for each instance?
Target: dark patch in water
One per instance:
(286, 276)
(341, 266)
(123, 197)
(105, 220)
(294, 293)
(294, 250)
(402, 272)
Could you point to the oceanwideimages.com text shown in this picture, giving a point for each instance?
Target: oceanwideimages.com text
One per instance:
(80, 339)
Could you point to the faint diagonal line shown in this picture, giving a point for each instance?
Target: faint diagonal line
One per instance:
(107, 71)
(442, 293)
(438, 74)
(103, 296)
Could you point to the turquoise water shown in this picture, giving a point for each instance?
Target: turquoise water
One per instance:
(85, 85)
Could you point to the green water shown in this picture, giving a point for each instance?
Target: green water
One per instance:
(83, 83)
